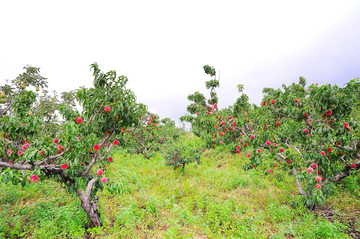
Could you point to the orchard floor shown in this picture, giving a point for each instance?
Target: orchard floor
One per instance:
(217, 199)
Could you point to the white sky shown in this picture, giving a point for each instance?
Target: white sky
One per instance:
(162, 45)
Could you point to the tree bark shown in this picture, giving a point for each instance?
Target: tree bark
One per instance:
(90, 205)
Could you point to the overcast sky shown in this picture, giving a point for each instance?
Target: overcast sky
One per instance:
(161, 46)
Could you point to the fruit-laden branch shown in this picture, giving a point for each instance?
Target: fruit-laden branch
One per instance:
(145, 151)
(307, 122)
(319, 120)
(357, 155)
(107, 151)
(241, 130)
(55, 108)
(14, 144)
(53, 157)
(343, 173)
(104, 140)
(39, 163)
(47, 169)
(87, 171)
(53, 170)
(93, 116)
(268, 148)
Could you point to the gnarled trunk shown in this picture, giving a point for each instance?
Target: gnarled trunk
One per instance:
(90, 205)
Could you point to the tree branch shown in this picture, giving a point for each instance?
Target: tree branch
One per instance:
(16, 166)
(96, 156)
(87, 171)
(90, 186)
(241, 130)
(343, 173)
(292, 146)
(280, 114)
(53, 157)
(298, 184)
(10, 106)
(14, 144)
(104, 140)
(91, 117)
(343, 147)
(281, 155)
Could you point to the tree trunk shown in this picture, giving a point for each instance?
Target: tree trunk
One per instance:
(90, 205)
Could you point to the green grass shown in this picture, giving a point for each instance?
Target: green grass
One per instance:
(217, 199)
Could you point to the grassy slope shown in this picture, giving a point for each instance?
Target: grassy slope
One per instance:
(214, 200)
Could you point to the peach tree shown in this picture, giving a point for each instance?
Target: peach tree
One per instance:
(183, 151)
(49, 137)
(150, 135)
(311, 133)
(316, 132)
(201, 111)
